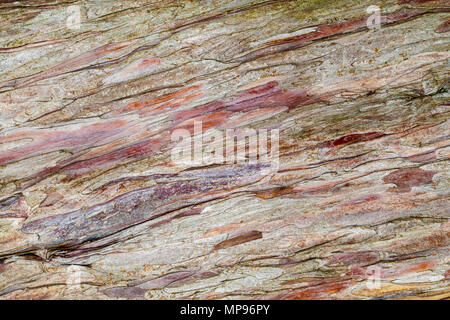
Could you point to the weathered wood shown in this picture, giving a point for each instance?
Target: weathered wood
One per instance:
(95, 205)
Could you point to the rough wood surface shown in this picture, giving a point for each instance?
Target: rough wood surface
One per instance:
(93, 207)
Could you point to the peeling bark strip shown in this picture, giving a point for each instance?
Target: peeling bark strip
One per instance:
(250, 236)
(93, 95)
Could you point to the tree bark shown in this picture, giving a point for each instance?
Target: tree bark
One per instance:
(351, 202)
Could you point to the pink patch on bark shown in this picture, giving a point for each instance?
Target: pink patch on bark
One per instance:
(409, 177)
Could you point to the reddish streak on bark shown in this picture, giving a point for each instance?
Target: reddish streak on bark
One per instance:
(443, 27)
(319, 292)
(173, 104)
(322, 31)
(207, 121)
(392, 272)
(349, 258)
(249, 236)
(361, 200)
(351, 138)
(409, 177)
(50, 140)
(447, 274)
(422, 157)
(136, 151)
(145, 103)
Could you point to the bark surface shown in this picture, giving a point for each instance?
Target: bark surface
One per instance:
(93, 205)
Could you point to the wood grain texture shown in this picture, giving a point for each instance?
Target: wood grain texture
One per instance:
(92, 205)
